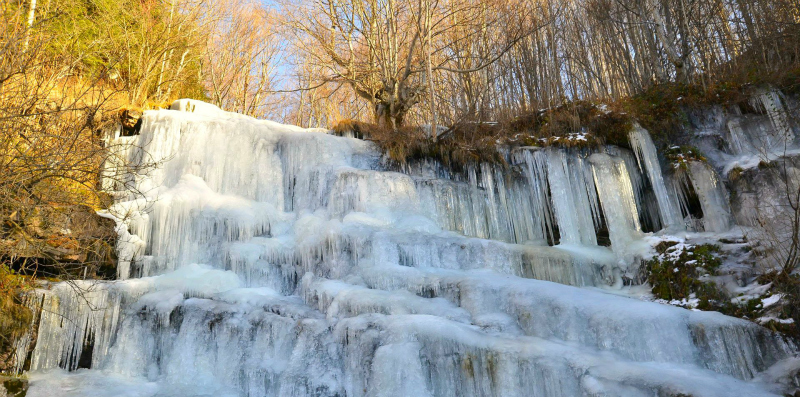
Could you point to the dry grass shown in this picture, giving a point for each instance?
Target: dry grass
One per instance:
(597, 123)
(459, 147)
(662, 109)
(577, 124)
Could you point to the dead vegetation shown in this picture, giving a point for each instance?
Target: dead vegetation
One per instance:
(55, 117)
(576, 124)
(14, 316)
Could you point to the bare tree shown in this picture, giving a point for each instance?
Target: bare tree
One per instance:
(240, 56)
(54, 115)
(387, 51)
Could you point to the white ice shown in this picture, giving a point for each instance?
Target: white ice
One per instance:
(268, 260)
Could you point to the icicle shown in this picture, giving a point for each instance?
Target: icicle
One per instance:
(617, 199)
(73, 315)
(782, 134)
(738, 139)
(364, 191)
(712, 195)
(534, 166)
(636, 179)
(455, 206)
(647, 158)
(570, 200)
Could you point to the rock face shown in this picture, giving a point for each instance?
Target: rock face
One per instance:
(71, 237)
(131, 121)
(753, 148)
(761, 200)
(269, 260)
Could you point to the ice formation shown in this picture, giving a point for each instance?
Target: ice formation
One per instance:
(268, 260)
(770, 102)
(648, 160)
(756, 138)
(617, 198)
(713, 198)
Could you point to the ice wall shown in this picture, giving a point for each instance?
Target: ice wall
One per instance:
(571, 198)
(764, 132)
(267, 260)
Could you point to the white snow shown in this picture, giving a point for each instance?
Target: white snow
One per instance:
(771, 300)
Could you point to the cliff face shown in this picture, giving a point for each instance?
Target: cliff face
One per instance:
(51, 241)
(762, 198)
(752, 147)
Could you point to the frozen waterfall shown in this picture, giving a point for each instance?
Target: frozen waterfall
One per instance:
(270, 260)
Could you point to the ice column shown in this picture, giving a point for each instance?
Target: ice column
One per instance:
(713, 200)
(739, 142)
(616, 197)
(646, 155)
(534, 167)
(570, 201)
(770, 102)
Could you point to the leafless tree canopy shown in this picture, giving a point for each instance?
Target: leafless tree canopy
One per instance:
(490, 59)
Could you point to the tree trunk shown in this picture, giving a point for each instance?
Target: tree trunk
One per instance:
(429, 71)
(31, 20)
(388, 116)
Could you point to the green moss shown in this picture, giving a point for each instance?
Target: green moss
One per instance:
(789, 286)
(15, 387)
(680, 272)
(677, 273)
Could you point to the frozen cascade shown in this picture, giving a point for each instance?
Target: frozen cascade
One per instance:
(740, 143)
(759, 138)
(534, 166)
(288, 262)
(648, 161)
(563, 192)
(646, 204)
